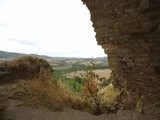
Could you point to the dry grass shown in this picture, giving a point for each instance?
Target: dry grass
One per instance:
(25, 68)
(33, 84)
(109, 94)
(106, 73)
(43, 93)
(47, 94)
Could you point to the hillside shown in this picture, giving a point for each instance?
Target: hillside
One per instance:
(58, 62)
(6, 55)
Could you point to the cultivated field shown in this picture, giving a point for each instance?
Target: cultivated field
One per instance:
(105, 73)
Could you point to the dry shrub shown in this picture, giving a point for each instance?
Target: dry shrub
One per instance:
(95, 93)
(109, 94)
(75, 100)
(47, 94)
(41, 93)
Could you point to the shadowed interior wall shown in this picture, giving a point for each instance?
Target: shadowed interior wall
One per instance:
(129, 32)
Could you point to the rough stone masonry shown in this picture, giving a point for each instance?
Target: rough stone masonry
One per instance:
(129, 32)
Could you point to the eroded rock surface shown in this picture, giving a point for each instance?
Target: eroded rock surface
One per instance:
(26, 68)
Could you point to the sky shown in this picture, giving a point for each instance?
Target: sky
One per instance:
(57, 28)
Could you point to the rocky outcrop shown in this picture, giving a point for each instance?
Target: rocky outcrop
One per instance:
(25, 68)
(129, 32)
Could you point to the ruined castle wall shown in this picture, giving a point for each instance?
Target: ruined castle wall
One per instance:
(129, 32)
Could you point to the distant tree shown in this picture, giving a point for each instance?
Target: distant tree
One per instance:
(78, 79)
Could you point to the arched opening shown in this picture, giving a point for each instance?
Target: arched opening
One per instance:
(129, 34)
(36, 25)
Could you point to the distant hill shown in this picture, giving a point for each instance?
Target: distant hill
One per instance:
(101, 58)
(4, 54)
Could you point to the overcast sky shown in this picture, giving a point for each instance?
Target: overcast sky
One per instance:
(58, 28)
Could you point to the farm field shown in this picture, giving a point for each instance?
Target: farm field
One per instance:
(75, 67)
(105, 73)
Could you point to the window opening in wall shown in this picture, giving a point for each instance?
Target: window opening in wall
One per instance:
(61, 33)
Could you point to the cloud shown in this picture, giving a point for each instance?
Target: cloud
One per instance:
(51, 30)
(3, 25)
(3, 2)
(24, 42)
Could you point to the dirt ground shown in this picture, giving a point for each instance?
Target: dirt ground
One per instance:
(15, 110)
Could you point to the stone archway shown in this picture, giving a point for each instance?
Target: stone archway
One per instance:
(129, 32)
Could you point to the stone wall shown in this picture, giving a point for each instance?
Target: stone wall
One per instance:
(129, 32)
